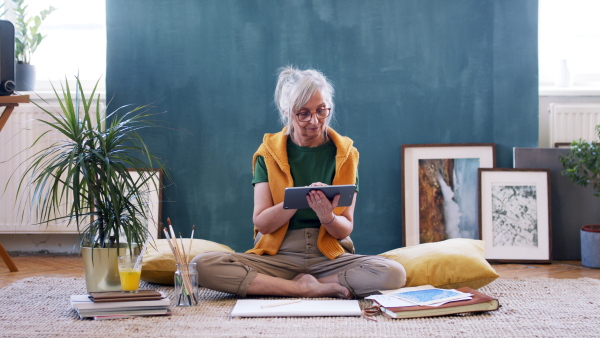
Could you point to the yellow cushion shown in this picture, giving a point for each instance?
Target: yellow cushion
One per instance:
(158, 263)
(448, 264)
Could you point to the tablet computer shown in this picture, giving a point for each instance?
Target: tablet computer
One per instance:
(295, 198)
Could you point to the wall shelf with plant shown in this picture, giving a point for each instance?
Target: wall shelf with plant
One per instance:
(27, 39)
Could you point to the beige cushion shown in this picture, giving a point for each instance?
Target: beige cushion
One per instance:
(158, 263)
(448, 264)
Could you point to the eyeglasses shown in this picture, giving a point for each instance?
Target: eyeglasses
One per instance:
(304, 115)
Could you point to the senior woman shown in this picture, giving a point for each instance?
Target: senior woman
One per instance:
(305, 252)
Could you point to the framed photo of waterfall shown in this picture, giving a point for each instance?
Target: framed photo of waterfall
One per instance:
(515, 215)
(439, 190)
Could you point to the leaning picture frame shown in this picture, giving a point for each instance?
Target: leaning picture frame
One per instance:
(439, 190)
(515, 217)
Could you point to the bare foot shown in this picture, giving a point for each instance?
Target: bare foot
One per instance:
(309, 286)
(298, 276)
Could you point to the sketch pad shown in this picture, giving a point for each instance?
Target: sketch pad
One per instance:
(295, 198)
(303, 308)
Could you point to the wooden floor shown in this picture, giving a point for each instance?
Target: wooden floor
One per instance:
(41, 265)
(72, 266)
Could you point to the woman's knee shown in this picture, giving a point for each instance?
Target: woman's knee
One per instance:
(208, 265)
(387, 274)
(395, 276)
(222, 271)
(207, 259)
(374, 273)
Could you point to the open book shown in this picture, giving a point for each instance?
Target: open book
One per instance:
(478, 303)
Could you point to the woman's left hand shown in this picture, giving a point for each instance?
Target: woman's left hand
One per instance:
(321, 204)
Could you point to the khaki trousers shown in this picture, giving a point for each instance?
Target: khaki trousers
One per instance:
(362, 275)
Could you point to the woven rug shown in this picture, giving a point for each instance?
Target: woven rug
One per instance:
(39, 307)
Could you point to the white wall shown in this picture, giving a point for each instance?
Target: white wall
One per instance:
(40, 243)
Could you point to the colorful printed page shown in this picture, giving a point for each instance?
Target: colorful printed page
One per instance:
(431, 297)
(390, 299)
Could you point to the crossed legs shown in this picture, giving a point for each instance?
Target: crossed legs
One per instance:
(344, 277)
(299, 269)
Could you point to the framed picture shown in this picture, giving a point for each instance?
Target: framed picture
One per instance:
(153, 197)
(515, 215)
(439, 190)
(562, 145)
(566, 144)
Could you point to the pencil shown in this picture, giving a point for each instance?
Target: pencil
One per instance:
(282, 303)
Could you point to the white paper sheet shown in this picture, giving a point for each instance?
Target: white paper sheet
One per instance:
(304, 308)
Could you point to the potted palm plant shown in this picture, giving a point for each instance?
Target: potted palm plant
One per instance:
(582, 166)
(27, 40)
(87, 177)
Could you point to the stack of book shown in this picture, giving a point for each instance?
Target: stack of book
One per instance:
(116, 304)
(428, 301)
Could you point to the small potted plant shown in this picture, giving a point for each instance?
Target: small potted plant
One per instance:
(27, 40)
(85, 176)
(582, 166)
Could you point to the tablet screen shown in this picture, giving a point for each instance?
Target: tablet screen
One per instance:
(295, 198)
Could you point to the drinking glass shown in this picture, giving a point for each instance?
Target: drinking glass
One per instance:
(130, 273)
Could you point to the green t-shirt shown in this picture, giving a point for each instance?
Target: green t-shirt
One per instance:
(308, 165)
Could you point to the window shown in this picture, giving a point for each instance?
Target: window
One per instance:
(569, 36)
(75, 42)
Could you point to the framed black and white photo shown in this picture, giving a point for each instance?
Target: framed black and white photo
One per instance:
(439, 190)
(515, 215)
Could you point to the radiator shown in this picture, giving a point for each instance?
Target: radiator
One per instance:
(16, 138)
(21, 130)
(571, 122)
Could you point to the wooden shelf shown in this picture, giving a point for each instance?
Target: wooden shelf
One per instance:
(10, 102)
(14, 99)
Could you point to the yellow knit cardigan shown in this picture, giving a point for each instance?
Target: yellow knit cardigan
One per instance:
(274, 151)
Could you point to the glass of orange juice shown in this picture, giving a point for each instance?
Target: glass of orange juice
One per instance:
(130, 273)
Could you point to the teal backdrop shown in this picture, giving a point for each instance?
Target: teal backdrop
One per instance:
(405, 72)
